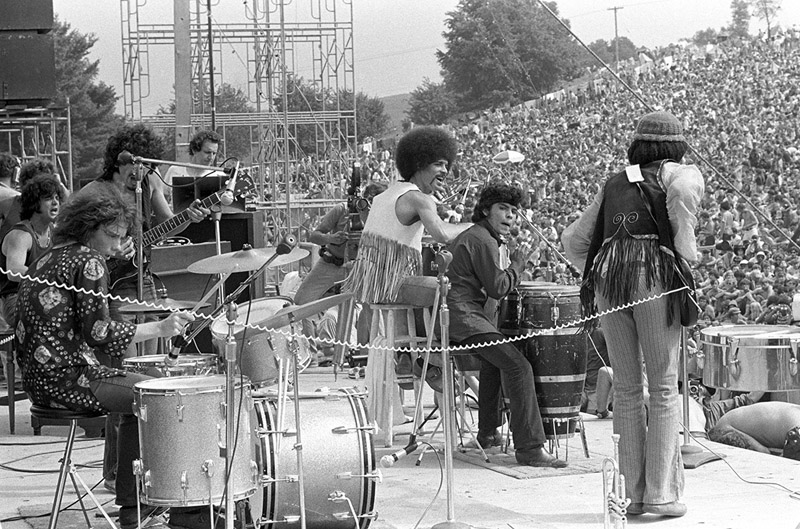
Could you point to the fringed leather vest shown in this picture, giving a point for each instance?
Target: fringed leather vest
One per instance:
(630, 239)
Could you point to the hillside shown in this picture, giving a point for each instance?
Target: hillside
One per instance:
(395, 107)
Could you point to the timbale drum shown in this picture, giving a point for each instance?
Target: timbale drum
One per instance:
(186, 365)
(338, 462)
(751, 357)
(181, 429)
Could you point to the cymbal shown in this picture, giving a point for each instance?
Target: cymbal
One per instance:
(159, 306)
(245, 260)
(293, 313)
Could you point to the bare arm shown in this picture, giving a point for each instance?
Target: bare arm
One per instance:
(15, 247)
(415, 205)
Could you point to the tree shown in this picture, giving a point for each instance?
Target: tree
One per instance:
(371, 117)
(228, 99)
(705, 36)
(607, 51)
(92, 103)
(431, 104)
(766, 10)
(504, 51)
(740, 19)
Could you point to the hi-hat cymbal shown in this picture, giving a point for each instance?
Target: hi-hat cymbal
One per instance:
(159, 306)
(245, 260)
(294, 313)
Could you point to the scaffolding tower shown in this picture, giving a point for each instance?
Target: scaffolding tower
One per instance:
(318, 41)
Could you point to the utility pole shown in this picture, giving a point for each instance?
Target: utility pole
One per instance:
(616, 37)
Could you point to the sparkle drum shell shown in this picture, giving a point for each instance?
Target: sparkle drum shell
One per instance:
(260, 350)
(181, 430)
(187, 365)
(751, 357)
(338, 462)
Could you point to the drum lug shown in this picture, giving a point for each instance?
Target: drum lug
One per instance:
(142, 413)
(146, 480)
(254, 472)
(701, 360)
(793, 360)
(732, 362)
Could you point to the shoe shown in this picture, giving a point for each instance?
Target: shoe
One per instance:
(200, 519)
(433, 376)
(403, 366)
(128, 516)
(603, 414)
(488, 440)
(635, 509)
(327, 362)
(674, 508)
(538, 457)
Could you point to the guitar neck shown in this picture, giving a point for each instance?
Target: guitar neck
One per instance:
(161, 231)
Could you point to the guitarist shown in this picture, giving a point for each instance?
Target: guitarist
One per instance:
(119, 171)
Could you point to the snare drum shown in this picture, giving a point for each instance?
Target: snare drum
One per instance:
(751, 357)
(181, 429)
(338, 462)
(260, 350)
(187, 365)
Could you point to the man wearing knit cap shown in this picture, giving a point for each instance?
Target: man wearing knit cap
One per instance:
(483, 272)
(629, 242)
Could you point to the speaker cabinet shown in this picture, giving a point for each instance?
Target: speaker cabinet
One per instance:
(27, 68)
(26, 15)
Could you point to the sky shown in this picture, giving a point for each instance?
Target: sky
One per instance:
(394, 41)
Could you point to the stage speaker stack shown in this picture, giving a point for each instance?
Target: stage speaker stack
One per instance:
(27, 55)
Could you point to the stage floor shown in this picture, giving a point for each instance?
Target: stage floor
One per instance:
(746, 490)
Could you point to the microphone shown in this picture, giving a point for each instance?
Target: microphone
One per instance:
(390, 459)
(171, 360)
(226, 199)
(443, 260)
(125, 158)
(286, 245)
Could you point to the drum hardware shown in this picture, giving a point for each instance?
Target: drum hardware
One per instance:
(614, 495)
(248, 259)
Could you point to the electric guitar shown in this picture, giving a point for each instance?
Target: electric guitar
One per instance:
(122, 270)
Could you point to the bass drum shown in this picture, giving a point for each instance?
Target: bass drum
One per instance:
(338, 462)
(751, 357)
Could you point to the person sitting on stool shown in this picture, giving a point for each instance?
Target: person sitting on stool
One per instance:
(480, 275)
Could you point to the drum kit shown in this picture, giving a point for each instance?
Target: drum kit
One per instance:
(215, 438)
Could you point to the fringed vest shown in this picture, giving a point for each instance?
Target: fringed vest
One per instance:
(388, 251)
(629, 239)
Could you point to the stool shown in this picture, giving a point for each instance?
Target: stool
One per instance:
(67, 468)
(380, 399)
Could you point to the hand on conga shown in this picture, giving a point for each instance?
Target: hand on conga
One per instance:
(175, 323)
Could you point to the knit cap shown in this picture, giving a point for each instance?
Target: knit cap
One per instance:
(659, 126)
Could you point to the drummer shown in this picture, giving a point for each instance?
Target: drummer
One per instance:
(60, 328)
(484, 270)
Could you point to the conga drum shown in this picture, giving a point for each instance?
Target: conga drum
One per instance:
(557, 354)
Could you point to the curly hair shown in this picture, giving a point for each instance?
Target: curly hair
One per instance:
(495, 193)
(139, 140)
(642, 152)
(41, 187)
(8, 163)
(422, 146)
(197, 141)
(35, 167)
(88, 210)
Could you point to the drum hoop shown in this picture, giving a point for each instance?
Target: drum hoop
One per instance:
(749, 346)
(560, 378)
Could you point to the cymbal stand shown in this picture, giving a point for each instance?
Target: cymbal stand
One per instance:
(572, 268)
(230, 358)
(448, 407)
(140, 347)
(693, 456)
(298, 445)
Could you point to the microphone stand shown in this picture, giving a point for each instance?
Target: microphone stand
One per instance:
(139, 251)
(572, 268)
(448, 407)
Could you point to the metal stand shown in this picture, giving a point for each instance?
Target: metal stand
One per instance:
(693, 456)
(448, 409)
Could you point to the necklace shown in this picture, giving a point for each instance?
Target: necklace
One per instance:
(42, 238)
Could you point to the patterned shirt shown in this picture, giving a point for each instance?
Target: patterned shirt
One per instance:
(59, 329)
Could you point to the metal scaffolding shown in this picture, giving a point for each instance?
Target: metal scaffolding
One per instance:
(39, 132)
(274, 51)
